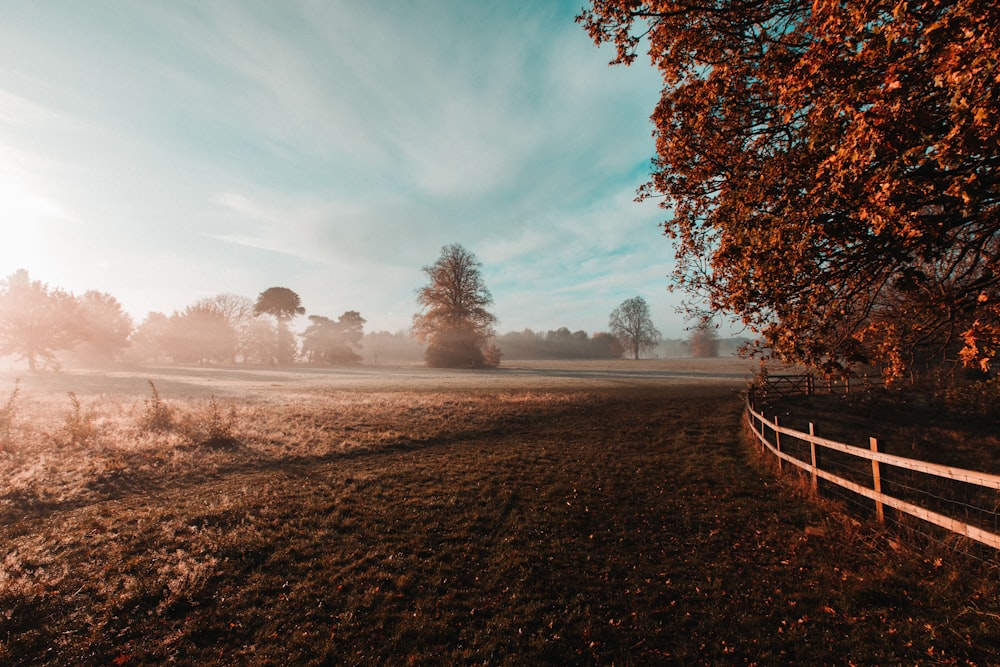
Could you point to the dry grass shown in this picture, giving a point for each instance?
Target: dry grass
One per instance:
(578, 516)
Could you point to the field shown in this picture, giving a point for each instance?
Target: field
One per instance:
(545, 513)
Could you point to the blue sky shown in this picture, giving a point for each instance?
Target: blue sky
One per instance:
(169, 151)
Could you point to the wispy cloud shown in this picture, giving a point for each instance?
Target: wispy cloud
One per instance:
(334, 148)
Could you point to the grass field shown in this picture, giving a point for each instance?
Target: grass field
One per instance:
(570, 513)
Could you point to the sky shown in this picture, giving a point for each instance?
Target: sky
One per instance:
(164, 152)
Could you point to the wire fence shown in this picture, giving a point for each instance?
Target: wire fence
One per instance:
(946, 504)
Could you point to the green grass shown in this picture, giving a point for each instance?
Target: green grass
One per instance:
(538, 519)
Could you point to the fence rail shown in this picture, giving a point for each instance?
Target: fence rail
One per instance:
(985, 532)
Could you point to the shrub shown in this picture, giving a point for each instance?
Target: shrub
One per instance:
(492, 355)
(974, 399)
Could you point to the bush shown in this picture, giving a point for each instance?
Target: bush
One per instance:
(492, 355)
(974, 399)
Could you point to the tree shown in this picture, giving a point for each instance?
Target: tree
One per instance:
(831, 168)
(260, 344)
(104, 327)
(239, 312)
(454, 320)
(631, 324)
(327, 341)
(35, 321)
(283, 304)
(151, 338)
(704, 340)
(606, 346)
(201, 334)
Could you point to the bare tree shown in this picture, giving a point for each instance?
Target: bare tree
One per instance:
(631, 324)
(454, 320)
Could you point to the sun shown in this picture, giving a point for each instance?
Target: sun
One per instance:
(25, 232)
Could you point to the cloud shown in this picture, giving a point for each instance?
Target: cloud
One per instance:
(336, 147)
(17, 111)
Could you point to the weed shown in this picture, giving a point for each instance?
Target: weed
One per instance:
(212, 428)
(219, 427)
(158, 416)
(79, 426)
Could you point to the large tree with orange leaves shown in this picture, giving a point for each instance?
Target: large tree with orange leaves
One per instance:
(831, 169)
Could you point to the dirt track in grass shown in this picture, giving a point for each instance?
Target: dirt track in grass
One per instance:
(614, 523)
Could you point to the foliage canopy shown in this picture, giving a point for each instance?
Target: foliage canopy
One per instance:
(36, 321)
(280, 302)
(200, 334)
(333, 342)
(831, 168)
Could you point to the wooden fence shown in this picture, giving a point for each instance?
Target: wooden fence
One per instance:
(783, 386)
(769, 435)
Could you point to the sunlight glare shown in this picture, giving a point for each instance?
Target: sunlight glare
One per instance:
(23, 216)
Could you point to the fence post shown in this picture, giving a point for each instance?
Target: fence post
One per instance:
(812, 451)
(760, 442)
(877, 482)
(777, 443)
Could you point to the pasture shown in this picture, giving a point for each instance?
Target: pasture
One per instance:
(543, 513)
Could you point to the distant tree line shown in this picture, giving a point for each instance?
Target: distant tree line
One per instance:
(46, 327)
(689, 347)
(559, 344)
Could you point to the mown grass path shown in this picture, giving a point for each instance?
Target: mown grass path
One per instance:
(613, 526)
